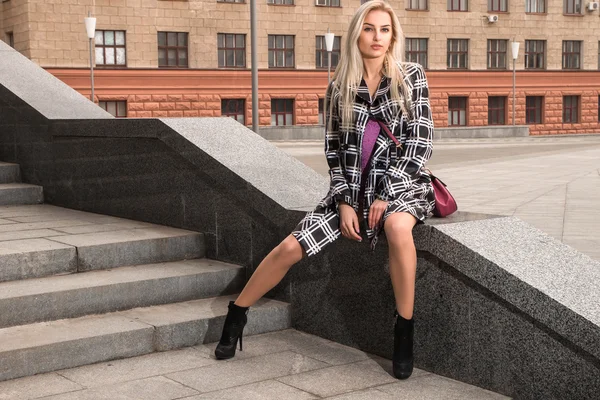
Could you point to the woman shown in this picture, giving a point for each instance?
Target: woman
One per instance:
(373, 181)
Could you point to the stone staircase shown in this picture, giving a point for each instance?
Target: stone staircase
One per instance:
(78, 288)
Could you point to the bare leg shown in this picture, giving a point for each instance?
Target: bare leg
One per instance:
(271, 271)
(403, 260)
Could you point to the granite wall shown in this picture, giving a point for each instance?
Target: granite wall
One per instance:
(499, 304)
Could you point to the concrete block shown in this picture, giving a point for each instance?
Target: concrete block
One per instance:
(135, 246)
(96, 292)
(34, 258)
(20, 193)
(32, 349)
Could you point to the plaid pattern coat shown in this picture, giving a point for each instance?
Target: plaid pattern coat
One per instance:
(395, 174)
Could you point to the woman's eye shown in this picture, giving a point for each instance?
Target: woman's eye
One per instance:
(367, 29)
(386, 29)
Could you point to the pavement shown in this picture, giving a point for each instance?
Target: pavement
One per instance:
(550, 182)
(283, 365)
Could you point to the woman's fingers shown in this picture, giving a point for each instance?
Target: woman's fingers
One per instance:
(355, 229)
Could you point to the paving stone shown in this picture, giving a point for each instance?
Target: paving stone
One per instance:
(33, 387)
(340, 379)
(155, 388)
(130, 369)
(229, 374)
(265, 390)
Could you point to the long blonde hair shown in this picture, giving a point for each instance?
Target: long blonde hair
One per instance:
(348, 73)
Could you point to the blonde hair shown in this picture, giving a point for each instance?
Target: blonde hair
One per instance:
(348, 73)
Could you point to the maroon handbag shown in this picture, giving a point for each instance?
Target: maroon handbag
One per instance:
(444, 202)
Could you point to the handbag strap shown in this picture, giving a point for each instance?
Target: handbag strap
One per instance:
(386, 130)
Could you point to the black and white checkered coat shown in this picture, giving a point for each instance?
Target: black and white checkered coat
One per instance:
(395, 174)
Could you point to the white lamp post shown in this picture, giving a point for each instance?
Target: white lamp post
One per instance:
(90, 27)
(329, 45)
(515, 55)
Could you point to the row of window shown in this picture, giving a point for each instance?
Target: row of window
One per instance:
(570, 7)
(282, 110)
(231, 48)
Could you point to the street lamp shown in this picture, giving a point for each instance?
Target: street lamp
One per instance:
(515, 55)
(329, 45)
(90, 27)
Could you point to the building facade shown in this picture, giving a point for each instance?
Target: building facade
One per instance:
(176, 58)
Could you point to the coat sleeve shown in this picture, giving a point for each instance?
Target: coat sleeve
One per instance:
(418, 147)
(338, 189)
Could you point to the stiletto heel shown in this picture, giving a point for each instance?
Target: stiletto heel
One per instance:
(232, 331)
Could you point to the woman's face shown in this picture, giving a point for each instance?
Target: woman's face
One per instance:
(376, 34)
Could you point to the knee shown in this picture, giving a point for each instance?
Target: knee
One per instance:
(289, 249)
(399, 234)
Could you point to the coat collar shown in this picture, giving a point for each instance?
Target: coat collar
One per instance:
(383, 88)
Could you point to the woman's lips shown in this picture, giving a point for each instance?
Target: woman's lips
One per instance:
(376, 46)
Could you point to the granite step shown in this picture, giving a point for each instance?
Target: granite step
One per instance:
(57, 253)
(27, 350)
(96, 292)
(9, 173)
(20, 193)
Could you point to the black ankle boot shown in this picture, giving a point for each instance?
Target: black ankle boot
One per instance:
(403, 347)
(232, 331)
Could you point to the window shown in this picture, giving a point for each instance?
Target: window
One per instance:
(173, 49)
(572, 7)
(497, 54)
(110, 48)
(321, 52)
(416, 4)
(571, 58)
(321, 111)
(280, 2)
(10, 39)
(458, 53)
(533, 109)
(328, 3)
(282, 112)
(496, 110)
(234, 108)
(281, 51)
(416, 51)
(497, 5)
(570, 109)
(458, 5)
(535, 54)
(117, 109)
(231, 50)
(535, 6)
(457, 111)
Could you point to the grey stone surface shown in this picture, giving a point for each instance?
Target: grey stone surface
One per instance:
(97, 292)
(156, 388)
(235, 373)
(339, 379)
(32, 258)
(265, 390)
(32, 349)
(20, 193)
(201, 321)
(56, 100)
(36, 386)
(288, 182)
(127, 247)
(9, 173)
(118, 371)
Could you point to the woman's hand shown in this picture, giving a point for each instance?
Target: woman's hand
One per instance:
(349, 222)
(376, 212)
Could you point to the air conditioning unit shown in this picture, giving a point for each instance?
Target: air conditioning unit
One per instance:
(593, 6)
(492, 18)
(321, 2)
